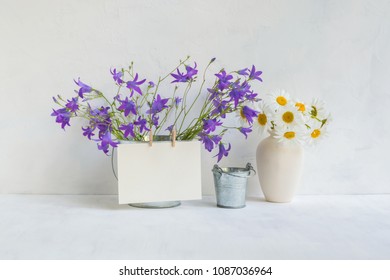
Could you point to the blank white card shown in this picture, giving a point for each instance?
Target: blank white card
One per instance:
(159, 172)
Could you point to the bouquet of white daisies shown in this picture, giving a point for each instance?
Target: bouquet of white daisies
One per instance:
(292, 121)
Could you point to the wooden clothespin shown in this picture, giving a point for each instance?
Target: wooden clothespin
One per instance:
(150, 137)
(173, 137)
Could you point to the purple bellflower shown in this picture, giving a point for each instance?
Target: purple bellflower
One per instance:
(101, 112)
(238, 92)
(210, 125)
(179, 77)
(158, 105)
(222, 151)
(62, 116)
(248, 114)
(134, 85)
(219, 108)
(224, 79)
(255, 75)
(106, 142)
(72, 104)
(243, 72)
(216, 139)
(177, 101)
(88, 132)
(128, 107)
(209, 141)
(100, 119)
(84, 88)
(252, 96)
(214, 93)
(155, 119)
(182, 78)
(128, 129)
(191, 71)
(142, 124)
(236, 95)
(117, 76)
(245, 131)
(151, 84)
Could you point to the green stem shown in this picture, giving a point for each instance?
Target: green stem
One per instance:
(183, 105)
(180, 64)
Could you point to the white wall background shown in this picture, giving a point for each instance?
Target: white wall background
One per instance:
(336, 50)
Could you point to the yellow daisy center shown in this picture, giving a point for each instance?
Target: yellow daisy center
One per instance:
(281, 100)
(289, 134)
(288, 117)
(301, 106)
(262, 119)
(242, 114)
(316, 133)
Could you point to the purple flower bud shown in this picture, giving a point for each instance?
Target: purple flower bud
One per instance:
(255, 75)
(177, 101)
(83, 88)
(169, 128)
(243, 72)
(245, 131)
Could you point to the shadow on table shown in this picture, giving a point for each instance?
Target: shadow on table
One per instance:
(110, 202)
(256, 199)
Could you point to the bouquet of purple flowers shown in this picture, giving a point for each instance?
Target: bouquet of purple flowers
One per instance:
(138, 107)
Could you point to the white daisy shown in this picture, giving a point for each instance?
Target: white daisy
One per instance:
(316, 133)
(293, 135)
(263, 120)
(301, 106)
(291, 120)
(279, 98)
(289, 116)
(316, 109)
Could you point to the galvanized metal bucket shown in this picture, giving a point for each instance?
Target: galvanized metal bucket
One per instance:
(230, 185)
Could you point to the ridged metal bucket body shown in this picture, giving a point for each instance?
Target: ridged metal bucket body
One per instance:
(230, 185)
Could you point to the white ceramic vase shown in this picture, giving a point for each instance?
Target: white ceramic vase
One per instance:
(279, 167)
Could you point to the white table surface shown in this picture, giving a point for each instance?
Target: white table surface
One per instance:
(96, 227)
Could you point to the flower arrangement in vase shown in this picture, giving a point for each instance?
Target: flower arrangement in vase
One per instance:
(291, 124)
(136, 111)
(137, 107)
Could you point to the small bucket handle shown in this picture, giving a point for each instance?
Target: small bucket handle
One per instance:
(217, 169)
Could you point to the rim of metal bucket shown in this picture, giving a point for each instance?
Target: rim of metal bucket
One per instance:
(249, 167)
